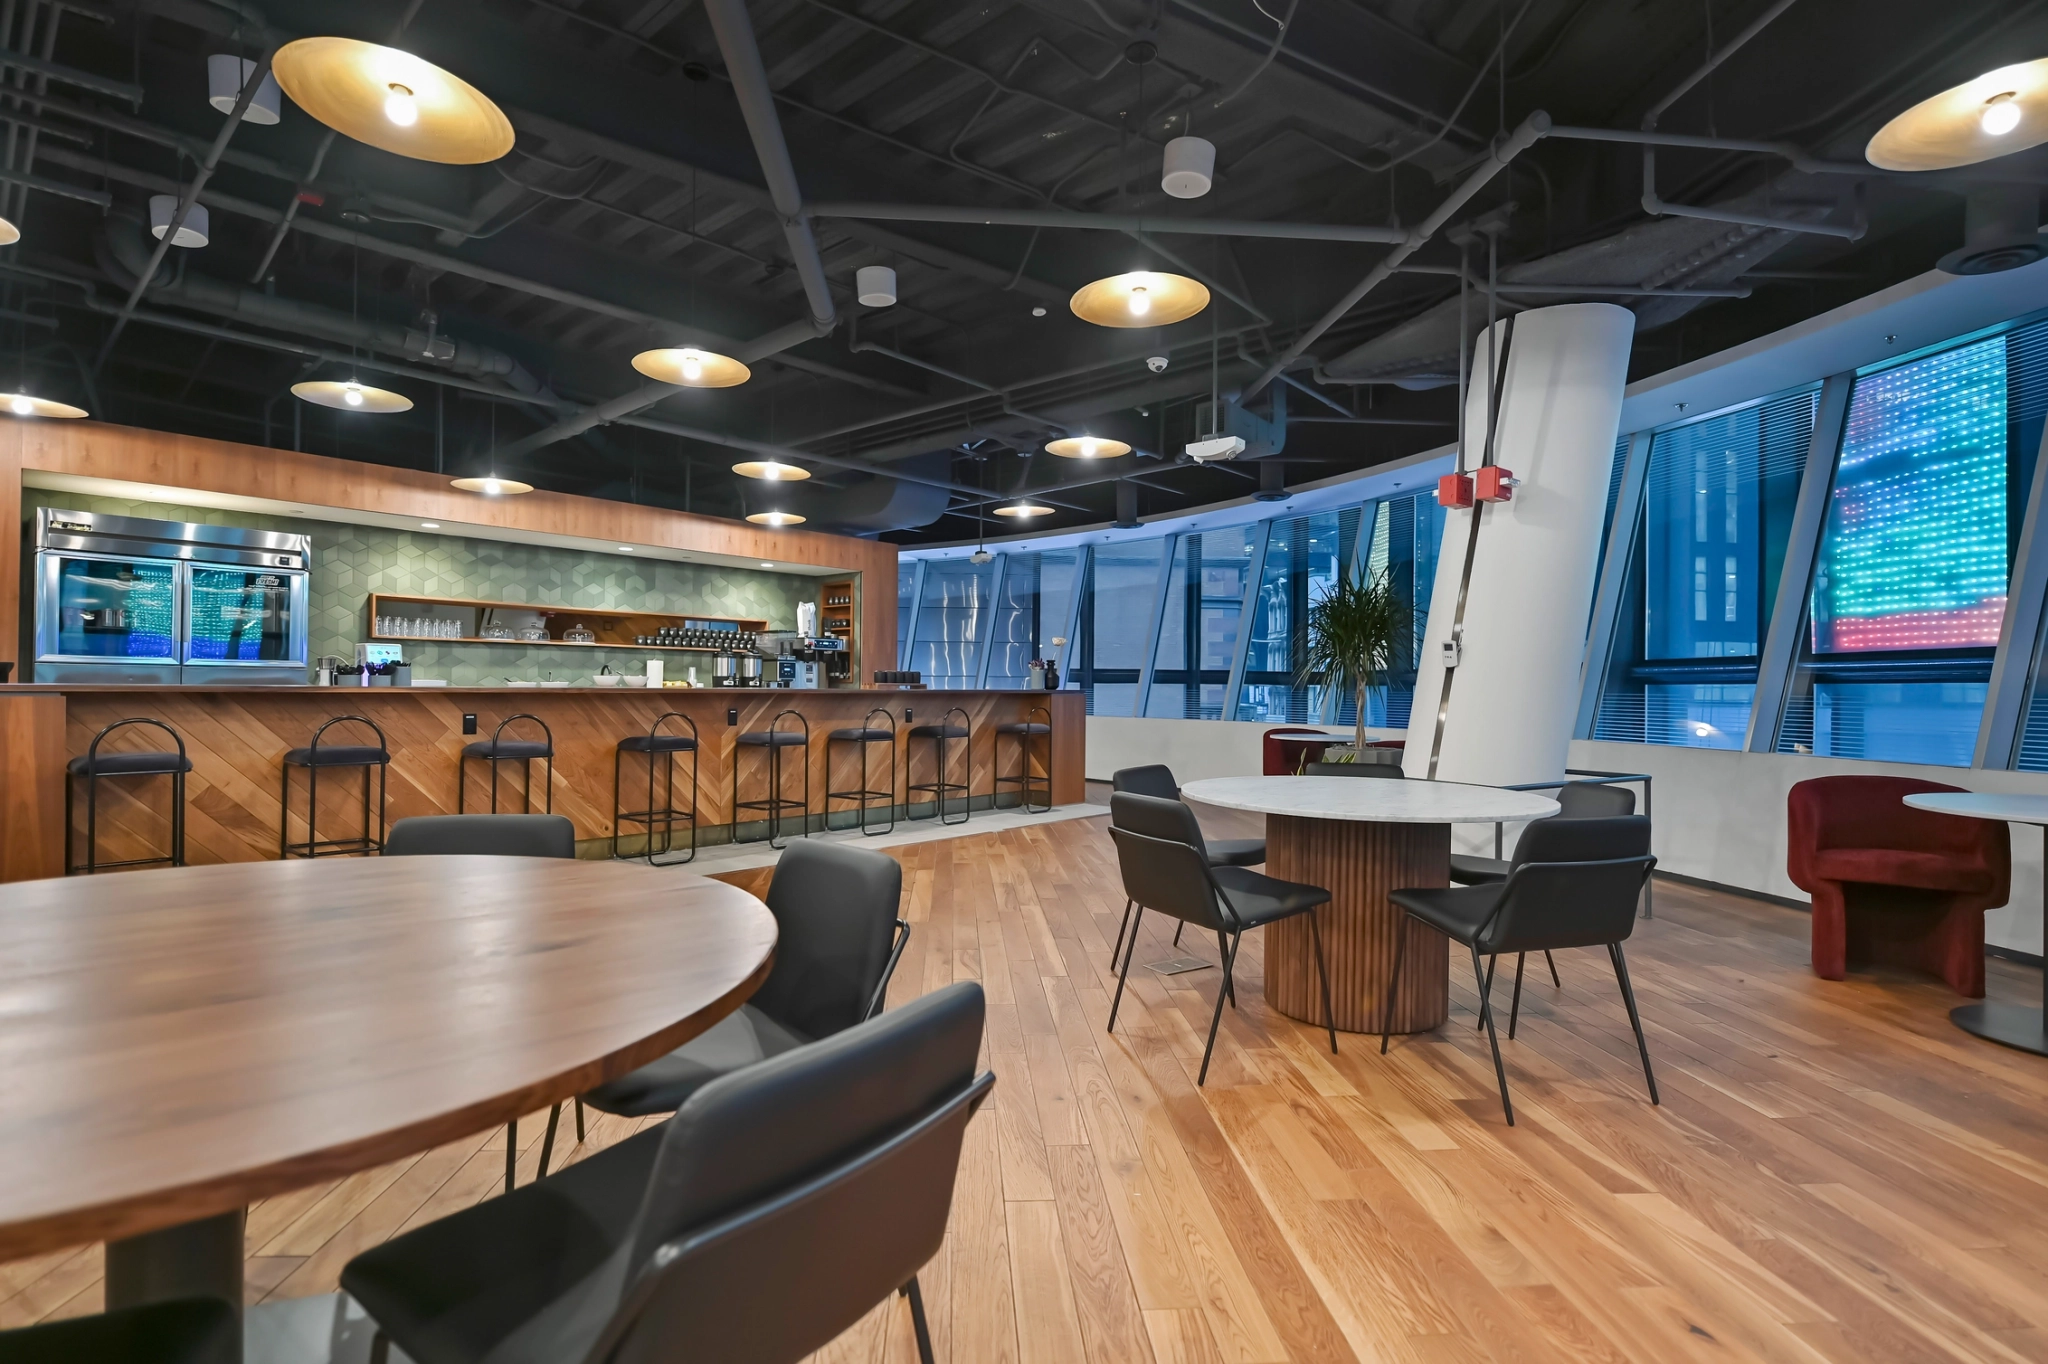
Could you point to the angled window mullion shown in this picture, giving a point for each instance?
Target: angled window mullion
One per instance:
(2019, 638)
(1171, 545)
(1802, 548)
(1610, 590)
(1246, 605)
(909, 650)
(989, 621)
(1084, 570)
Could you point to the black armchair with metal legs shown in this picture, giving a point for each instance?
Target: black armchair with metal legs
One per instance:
(1157, 781)
(176, 1331)
(660, 747)
(838, 941)
(491, 836)
(1574, 883)
(1575, 800)
(862, 737)
(773, 1212)
(1158, 849)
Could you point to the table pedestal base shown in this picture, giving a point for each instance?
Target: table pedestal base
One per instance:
(1358, 863)
(2014, 1025)
(190, 1260)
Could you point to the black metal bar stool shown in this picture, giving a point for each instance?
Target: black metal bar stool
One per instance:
(95, 766)
(316, 756)
(498, 749)
(663, 748)
(868, 733)
(942, 735)
(1024, 731)
(774, 739)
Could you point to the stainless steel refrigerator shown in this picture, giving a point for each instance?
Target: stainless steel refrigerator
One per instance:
(125, 599)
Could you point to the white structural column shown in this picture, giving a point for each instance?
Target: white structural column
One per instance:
(1514, 695)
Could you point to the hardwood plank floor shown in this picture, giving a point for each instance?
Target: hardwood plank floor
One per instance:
(1836, 1173)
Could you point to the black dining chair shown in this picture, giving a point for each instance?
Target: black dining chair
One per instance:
(491, 836)
(768, 1216)
(1574, 883)
(838, 939)
(1159, 851)
(177, 1331)
(1156, 780)
(1575, 800)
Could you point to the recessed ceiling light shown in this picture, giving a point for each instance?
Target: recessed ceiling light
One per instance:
(393, 100)
(772, 471)
(625, 549)
(430, 525)
(1038, 311)
(766, 564)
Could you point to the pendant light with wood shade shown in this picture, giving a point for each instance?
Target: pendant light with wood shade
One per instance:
(1997, 114)
(351, 396)
(771, 471)
(27, 405)
(691, 367)
(776, 518)
(1023, 510)
(490, 485)
(1087, 447)
(9, 233)
(1140, 298)
(393, 100)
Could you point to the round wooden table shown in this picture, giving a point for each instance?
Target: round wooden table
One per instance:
(177, 1044)
(2014, 1025)
(1359, 838)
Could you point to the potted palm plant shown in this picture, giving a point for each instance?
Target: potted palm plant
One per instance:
(1358, 632)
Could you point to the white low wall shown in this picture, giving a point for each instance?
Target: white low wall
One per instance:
(1194, 749)
(1720, 816)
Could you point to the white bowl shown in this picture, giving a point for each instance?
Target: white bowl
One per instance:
(513, 682)
(605, 680)
(633, 681)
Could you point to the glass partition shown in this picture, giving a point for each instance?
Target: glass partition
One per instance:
(1117, 617)
(1033, 605)
(952, 622)
(1304, 555)
(1198, 630)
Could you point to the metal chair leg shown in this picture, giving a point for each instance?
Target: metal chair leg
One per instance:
(1221, 950)
(1393, 986)
(579, 1120)
(1551, 962)
(917, 1321)
(1181, 928)
(511, 1152)
(1480, 1023)
(1138, 917)
(1329, 1010)
(547, 1141)
(1628, 997)
(1500, 1071)
(1216, 1019)
(1122, 925)
(1515, 1004)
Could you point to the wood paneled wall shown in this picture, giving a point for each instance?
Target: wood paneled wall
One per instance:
(237, 739)
(162, 459)
(31, 784)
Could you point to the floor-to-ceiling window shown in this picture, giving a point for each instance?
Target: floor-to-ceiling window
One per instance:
(1304, 556)
(1909, 586)
(1198, 630)
(1705, 559)
(952, 622)
(1117, 619)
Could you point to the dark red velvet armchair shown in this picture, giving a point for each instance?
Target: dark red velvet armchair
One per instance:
(1892, 884)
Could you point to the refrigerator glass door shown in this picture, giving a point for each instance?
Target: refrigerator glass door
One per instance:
(96, 607)
(245, 615)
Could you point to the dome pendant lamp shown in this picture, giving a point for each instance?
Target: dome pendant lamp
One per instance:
(393, 100)
(351, 396)
(490, 484)
(1087, 447)
(1997, 114)
(1140, 298)
(691, 367)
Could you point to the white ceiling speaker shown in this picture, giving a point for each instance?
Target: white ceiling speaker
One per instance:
(1190, 167)
(194, 231)
(875, 286)
(225, 76)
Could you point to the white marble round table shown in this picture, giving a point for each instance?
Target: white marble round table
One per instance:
(2014, 1025)
(1361, 838)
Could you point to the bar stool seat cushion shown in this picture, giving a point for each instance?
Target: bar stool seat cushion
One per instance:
(772, 738)
(1479, 871)
(861, 736)
(1263, 899)
(128, 764)
(339, 755)
(657, 743)
(735, 1042)
(1235, 852)
(938, 732)
(509, 749)
(1023, 727)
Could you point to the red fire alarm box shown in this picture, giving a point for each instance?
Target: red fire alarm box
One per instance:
(1454, 490)
(1495, 484)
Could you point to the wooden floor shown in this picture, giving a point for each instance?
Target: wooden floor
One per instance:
(1836, 1173)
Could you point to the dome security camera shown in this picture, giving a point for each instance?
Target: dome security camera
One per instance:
(1156, 363)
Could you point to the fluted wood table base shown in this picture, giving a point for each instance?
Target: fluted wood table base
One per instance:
(1358, 862)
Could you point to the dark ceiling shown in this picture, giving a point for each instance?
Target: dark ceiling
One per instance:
(635, 212)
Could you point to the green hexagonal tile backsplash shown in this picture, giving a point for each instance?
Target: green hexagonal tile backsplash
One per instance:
(350, 562)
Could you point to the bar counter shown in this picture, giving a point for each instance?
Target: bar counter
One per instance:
(236, 738)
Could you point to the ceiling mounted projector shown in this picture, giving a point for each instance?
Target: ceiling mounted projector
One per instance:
(1212, 448)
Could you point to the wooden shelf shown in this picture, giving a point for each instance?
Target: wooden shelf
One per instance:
(614, 629)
